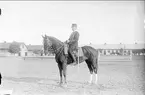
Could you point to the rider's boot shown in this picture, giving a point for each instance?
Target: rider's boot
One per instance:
(75, 61)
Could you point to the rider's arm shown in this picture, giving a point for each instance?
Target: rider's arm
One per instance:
(76, 38)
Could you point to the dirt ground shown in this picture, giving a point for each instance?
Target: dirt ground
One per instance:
(41, 77)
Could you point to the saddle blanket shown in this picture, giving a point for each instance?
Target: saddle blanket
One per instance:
(80, 52)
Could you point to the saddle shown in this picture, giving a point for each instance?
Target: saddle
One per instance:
(78, 54)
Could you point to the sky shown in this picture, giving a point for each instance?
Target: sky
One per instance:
(99, 22)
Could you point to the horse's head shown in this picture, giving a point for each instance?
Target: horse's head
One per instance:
(47, 44)
(51, 43)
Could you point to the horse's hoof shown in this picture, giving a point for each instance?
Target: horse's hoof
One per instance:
(96, 83)
(89, 82)
(60, 84)
(65, 84)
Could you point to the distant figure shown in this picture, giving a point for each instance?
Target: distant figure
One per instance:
(0, 78)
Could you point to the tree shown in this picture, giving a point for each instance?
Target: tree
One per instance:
(38, 52)
(14, 48)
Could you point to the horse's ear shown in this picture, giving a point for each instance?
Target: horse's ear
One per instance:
(42, 36)
(45, 35)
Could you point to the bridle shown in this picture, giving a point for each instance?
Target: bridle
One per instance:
(55, 50)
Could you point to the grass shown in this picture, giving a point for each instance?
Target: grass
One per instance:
(112, 76)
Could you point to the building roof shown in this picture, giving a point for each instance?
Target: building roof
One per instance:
(5, 45)
(135, 46)
(107, 46)
(34, 47)
(118, 46)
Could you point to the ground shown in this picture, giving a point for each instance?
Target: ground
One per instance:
(41, 77)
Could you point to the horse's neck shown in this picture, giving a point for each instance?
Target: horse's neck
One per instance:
(57, 49)
(56, 46)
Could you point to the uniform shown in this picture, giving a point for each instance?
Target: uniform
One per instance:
(73, 43)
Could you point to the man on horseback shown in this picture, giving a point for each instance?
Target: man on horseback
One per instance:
(73, 42)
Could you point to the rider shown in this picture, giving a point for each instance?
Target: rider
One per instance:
(73, 42)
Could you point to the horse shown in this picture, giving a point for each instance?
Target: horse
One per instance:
(91, 57)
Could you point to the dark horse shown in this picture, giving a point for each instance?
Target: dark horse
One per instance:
(91, 57)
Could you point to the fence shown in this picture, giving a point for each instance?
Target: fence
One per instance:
(100, 57)
(38, 57)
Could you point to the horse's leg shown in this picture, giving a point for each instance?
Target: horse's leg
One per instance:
(95, 69)
(60, 71)
(89, 64)
(64, 72)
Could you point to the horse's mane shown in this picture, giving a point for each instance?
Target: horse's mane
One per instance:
(51, 37)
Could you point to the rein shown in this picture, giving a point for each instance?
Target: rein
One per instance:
(57, 49)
